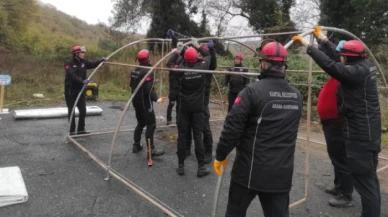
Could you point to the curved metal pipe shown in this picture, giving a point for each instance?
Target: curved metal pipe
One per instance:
(97, 68)
(343, 31)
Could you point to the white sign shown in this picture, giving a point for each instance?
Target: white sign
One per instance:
(5, 80)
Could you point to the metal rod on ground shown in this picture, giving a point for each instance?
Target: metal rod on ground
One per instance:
(129, 130)
(321, 143)
(297, 203)
(136, 190)
(382, 168)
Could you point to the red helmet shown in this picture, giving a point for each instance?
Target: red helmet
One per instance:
(143, 56)
(78, 49)
(353, 48)
(190, 55)
(239, 56)
(274, 51)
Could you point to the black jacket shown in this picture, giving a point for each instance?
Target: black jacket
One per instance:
(236, 82)
(76, 73)
(173, 79)
(192, 84)
(146, 95)
(358, 94)
(263, 126)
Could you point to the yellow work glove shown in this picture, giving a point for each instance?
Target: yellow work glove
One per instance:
(301, 40)
(161, 100)
(217, 166)
(318, 33)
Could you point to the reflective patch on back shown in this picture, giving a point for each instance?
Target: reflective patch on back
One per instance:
(238, 100)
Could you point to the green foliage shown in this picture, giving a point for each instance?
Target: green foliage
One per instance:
(268, 16)
(368, 19)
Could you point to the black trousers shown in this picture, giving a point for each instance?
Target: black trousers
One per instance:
(231, 98)
(171, 104)
(337, 153)
(190, 122)
(145, 118)
(363, 160)
(207, 133)
(81, 105)
(240, 197)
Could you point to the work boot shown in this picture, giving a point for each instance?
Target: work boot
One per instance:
(137, 147)
(169, 123)
(155, 152)
(82, 132)
(72, 134)
(333, 191)
(181, 169)
(340, 201)
(208, 158)
(202, 171)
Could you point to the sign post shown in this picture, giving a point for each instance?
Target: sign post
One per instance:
(5, 80)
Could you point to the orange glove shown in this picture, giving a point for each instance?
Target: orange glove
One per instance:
(318, 33)
(217, 166)
(301, 40)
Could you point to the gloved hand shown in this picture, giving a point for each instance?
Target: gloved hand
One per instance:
(86, 81)
(340, 45)
(194, 42)
(161, 100)
(103, 59)
(179, 47)
(170, 33)
(210, 44)
(318, 33)
(217, 166)
(301, 40)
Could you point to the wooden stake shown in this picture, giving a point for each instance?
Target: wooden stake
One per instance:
(2, 98)
(149, 153)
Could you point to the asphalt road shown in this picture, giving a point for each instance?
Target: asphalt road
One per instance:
(63, 181)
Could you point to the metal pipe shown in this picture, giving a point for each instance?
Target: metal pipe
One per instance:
(118, 176)
(97, 68)
(342, 31)
(185, 70)
(130, 130)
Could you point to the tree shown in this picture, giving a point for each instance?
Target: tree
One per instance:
(164, 15)
(15, 15)
(265, 16)
(368, 19)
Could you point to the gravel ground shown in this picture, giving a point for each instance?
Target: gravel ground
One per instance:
(63, 181)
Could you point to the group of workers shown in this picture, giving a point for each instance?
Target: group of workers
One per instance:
(263, 119)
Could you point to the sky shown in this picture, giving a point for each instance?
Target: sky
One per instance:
(93, 13)
(87, 10)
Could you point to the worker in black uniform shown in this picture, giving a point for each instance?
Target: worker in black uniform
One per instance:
(191, 105)
(361, 111)
(236, 82)
(207, 133)
(331, 121)
(264, 122)
(75, 79)
(143, 104)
